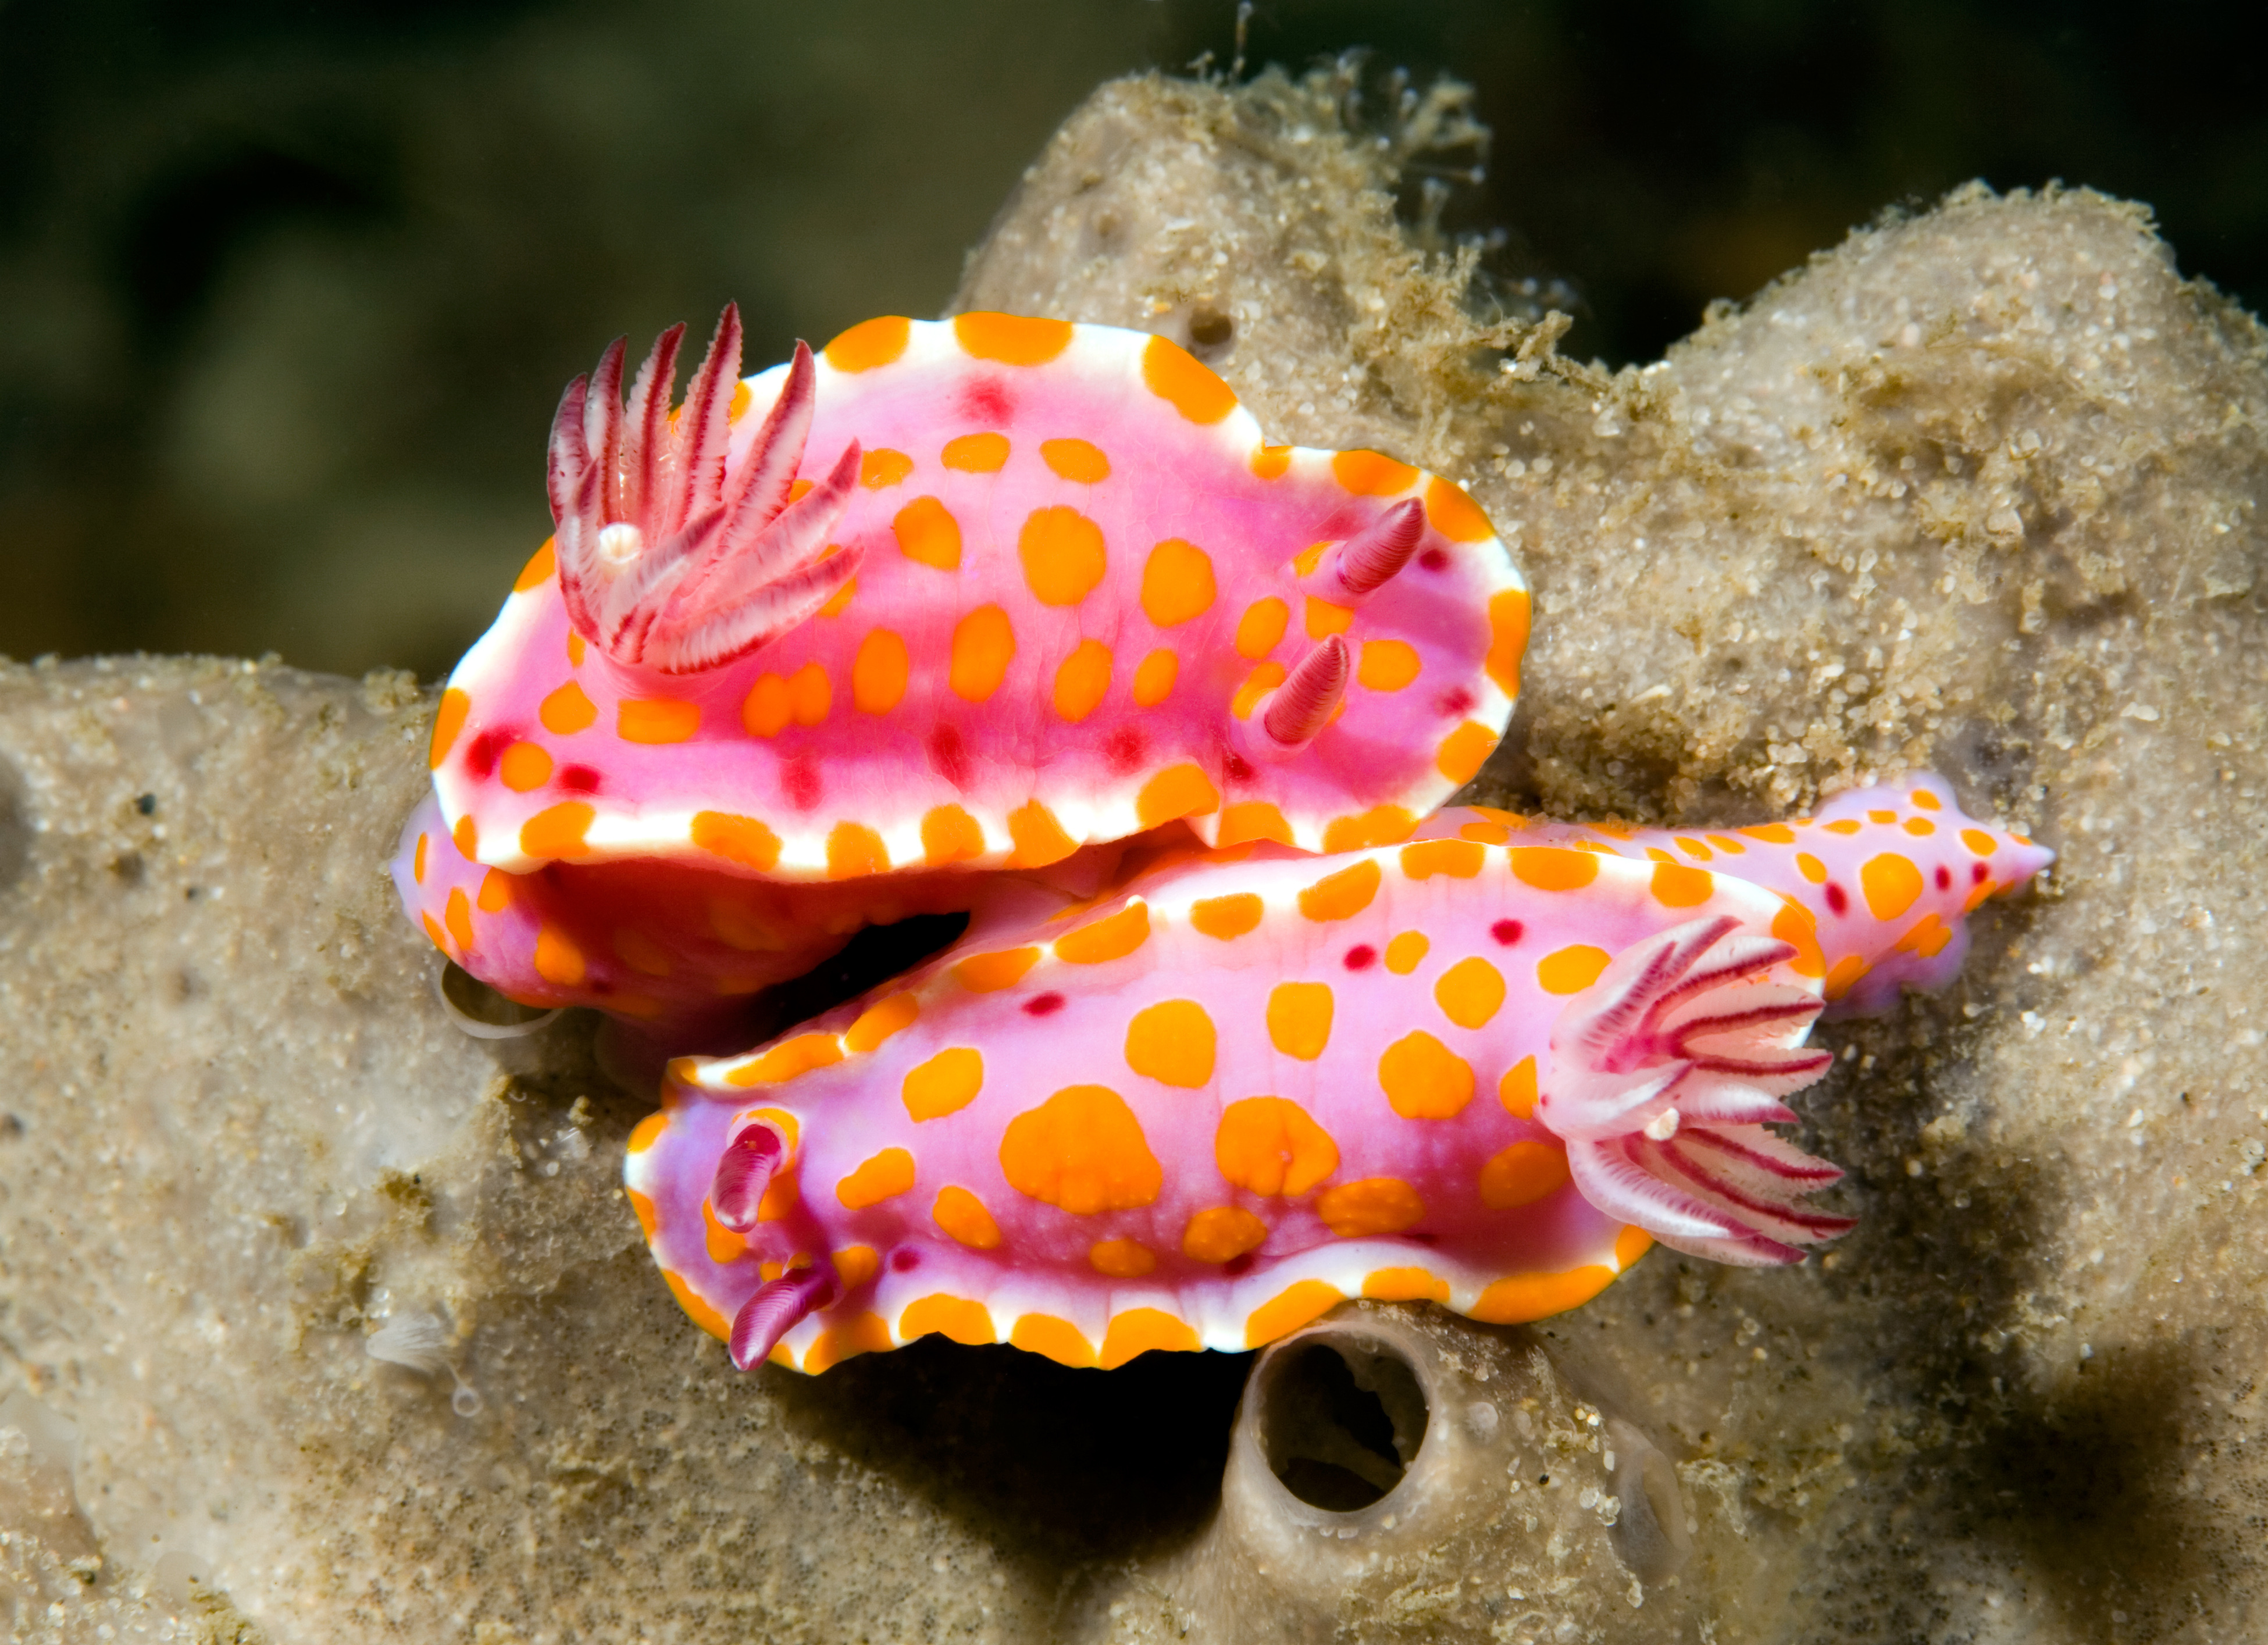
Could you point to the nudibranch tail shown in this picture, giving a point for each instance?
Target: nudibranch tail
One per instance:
(778, 1306)
(670, 556)
(1663, 1075)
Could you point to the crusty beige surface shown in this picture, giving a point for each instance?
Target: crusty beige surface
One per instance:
(1978, 489)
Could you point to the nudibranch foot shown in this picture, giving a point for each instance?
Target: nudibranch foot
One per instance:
(670, 556)
(1663, 1073)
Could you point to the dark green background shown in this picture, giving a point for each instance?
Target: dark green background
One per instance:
(287, 291)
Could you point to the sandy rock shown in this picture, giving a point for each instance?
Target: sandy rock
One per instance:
(1978, 490)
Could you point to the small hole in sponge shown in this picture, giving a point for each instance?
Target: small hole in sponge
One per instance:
(482, 1012)
(1211, 332)
(1342, 1419)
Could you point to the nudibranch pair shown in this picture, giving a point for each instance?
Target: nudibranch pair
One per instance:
(1025, 620)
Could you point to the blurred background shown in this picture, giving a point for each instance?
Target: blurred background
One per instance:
(288, 290)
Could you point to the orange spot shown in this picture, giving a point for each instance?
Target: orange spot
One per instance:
(696, 1310)
(1141, 1330)
(1222, 1233)
(1464, 751)
(1891, 882)
(1517, 1089)
(1693, 848)
(1811, 867)
(1370, 474)
(1632, 1244)
(956, 1319)
(1082, 680)
(741, 839)
(1180, 790)
(1881, 817)
(1484, 832)
(737, 408)
(449, 720)
(1928, 938)
(648, 1131)
(984, 645)
(1063, 555)
(574, 649)
(1269, 1146)
(1253, 819)
(854, 851)
(1572, 969)
(458, 919)
(767, 708)
(1172, 1042)
(1795, 926)
(976, 454)
(1307, 559)
(567, 710)
(656, 719)
(1976, 839)
(1324, 619)
(1264, 678)
(1677, 886)
(1297, 1304)
(1508, 615)
(1548, 868)
(862, 1333)
(1114, 936)
(1405, 952)
(1925, 800)
(1455, 515)
(1919, 826)
(556, 958)
(989, 973)
(1261, 627)
(1844, 825)
(840, 600)
(1771, 833)
(962, 1216)
(1520, 1297)
(1270, 462)
(525, 766)
(1844, 976)
(1174, 375)
(1011, 339)
(926, 532)
(1523, 1174)
(1405, 1285)
(1082, 1151)
(879, 1021)
(1226, 917)
(869, 343)
(1121, 1259)
(885, 1176)
(1177, 583)
(724, 1245)
(539, 570)
(643, 1209)
(1342, 895)
(795, 492)
(496, 893)
(1423, 1079)
(1153, 680)
(878, 675)
(1460, 859)
(640, 953)
(883, 467)
(557, 831)
(417, 863)
(1039, 839)
(1076, 460)
(1300, 1018)
(950, 834)
(1470, 992)
(466, 836)
(1387, 664)
(945, 1083)
(788, 1059)
(1054, 1339)
(1381, 825)
(780, 1199)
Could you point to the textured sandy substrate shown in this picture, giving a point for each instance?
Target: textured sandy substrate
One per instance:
(1978, 490)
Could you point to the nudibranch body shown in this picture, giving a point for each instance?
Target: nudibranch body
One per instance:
(1487, 1068)
(946, 598)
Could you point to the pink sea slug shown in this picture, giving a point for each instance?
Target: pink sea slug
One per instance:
(846, 641)
(1489, 1068)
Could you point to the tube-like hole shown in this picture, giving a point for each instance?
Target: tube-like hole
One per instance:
(1341, 1421)
(1211, 332)
(483, 1013)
